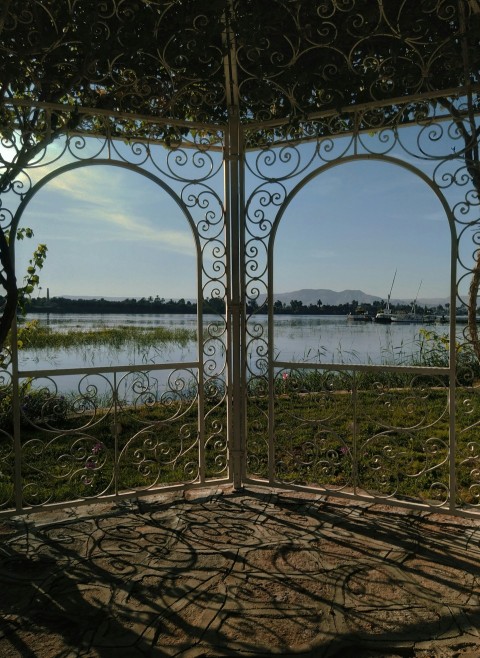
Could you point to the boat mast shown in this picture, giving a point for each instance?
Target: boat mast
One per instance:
(390, 293)
(414, 305)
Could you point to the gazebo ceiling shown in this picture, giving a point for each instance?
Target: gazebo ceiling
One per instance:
(194, 62)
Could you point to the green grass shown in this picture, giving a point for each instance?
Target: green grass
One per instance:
(398, 446)
(388, 436)
(72, 455)
(41, 337)
(384, 432)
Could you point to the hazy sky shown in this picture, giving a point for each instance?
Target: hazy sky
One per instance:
(355, 225)
(111, 232)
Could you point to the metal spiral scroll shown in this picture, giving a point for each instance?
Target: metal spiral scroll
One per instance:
(468, 452)
(80, 465)
(64, 449)
(318, 55)
(388, 469)
(159, 455)
(313, 436)
(161, 443)
(44, 408)
(215, 421)
(292, 58)
(403, 440)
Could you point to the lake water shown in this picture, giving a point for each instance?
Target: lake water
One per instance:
(296, 338)
(314, 339)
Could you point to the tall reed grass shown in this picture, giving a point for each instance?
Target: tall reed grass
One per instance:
(36, 336)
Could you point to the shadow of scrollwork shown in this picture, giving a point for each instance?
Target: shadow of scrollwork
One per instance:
(256, 573)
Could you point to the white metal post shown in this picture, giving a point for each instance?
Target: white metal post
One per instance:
(234, 222)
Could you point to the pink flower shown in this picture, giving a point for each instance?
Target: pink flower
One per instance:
(285, 375)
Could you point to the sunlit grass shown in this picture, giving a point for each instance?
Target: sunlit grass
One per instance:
(385, 432)
(41, 337)
(398, 444)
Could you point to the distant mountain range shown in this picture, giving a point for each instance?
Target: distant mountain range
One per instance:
(333, 298)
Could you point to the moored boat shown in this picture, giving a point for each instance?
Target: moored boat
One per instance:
(413, 317)
(385, 316)
(361, 315)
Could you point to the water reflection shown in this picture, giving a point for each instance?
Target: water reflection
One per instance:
(296, 338)
(333, 339)
(313, 339)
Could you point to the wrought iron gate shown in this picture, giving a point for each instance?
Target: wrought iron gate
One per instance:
(71, 434)
(335, 427)
(237, 413)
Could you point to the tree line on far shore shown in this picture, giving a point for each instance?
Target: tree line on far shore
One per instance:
(211, 305)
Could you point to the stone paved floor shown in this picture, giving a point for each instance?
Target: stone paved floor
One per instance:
(239, 574)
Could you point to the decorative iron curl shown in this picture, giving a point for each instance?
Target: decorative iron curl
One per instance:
(256, 254)
(386, 140)
(84, 464)
(329, 149)
(385, 459)
(214, 268)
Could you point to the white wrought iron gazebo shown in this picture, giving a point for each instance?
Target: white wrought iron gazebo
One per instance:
(252, 100)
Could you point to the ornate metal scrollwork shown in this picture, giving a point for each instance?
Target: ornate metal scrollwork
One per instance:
(313, 439)
(303, 86)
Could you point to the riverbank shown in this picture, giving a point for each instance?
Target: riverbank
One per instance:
(155, 305)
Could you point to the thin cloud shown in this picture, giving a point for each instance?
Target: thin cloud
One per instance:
(434, 217)
(100, 186)
(88, 206)
(119, 227)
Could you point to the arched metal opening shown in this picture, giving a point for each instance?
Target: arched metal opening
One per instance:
(124, 429)
(233, 415)
(324, 425)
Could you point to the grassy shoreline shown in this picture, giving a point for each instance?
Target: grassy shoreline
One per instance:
(396, 443)
(385, 432)
(36, 336)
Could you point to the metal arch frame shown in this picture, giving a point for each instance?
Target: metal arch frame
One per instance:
(387, 159)
(261, 348)
(273, 362)
(209, 343)
(108, 163)
(238, 290)
(19, 374)
(238, 285)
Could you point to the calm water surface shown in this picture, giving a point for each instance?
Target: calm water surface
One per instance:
(296, 338)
